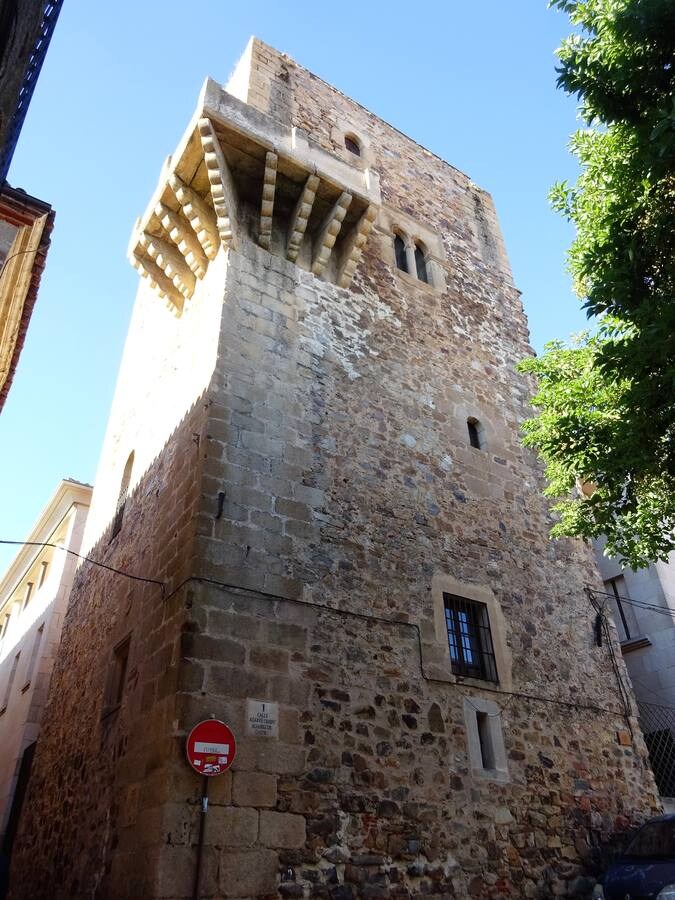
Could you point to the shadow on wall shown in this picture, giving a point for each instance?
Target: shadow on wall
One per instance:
(108, 722)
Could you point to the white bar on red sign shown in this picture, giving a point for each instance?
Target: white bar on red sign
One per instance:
(202, 747)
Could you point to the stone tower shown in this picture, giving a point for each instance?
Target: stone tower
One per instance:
(313, 460)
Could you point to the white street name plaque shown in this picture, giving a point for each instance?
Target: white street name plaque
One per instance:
(262, 718)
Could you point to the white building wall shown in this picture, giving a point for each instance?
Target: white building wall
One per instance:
(651, 662)
(24, 687)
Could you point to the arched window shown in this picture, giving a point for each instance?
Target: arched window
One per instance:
(475, 433)
(122, 497)
(399, 251)
(421, 263)
(352, 144)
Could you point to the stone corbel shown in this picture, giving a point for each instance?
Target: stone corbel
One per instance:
(356, 243)
(170, 262)
(223, 191)
(300, 217)
(157, 281)
(184, 238)
(325, 239)
(267, 204)
(198, 214)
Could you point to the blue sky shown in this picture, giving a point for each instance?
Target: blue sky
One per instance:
(474, 82)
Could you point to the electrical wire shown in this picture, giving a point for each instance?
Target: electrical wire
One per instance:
(8, 259)
(642, 604)
(87, 559)
(368, 617)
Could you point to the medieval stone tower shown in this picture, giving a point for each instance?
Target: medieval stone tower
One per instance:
(313, 461)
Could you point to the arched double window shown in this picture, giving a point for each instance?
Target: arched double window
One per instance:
(411, 257)
(122, 497)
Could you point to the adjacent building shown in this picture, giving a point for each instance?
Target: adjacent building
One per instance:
(312, 495)
(643, 609)
(25, 222)
(33, 598)
(25, 231)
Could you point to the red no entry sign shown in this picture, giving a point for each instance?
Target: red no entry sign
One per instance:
(211, 747)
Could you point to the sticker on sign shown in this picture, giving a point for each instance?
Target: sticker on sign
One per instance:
(262, 718)
(211, 747)
(201, 747)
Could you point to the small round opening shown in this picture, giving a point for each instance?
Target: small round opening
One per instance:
(352, 144)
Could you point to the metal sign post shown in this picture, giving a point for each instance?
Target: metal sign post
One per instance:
(210, 750)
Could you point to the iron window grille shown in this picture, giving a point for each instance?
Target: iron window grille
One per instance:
(469, 638)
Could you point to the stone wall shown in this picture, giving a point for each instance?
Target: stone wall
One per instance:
(318, 456)
(369, 792)
(93, 824)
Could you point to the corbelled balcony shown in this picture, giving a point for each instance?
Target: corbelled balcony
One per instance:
(240, 175)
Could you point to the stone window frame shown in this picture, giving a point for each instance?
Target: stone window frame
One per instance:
(394, 222)
(483, 721)
(116, 676)
(470, 639)
(412, 244)
(435, 649)
(351, 138)
(480, 434)
(344, 129)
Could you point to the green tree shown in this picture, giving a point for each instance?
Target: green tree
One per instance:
(607, 402)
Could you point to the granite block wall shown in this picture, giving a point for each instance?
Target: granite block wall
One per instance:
(306, 493)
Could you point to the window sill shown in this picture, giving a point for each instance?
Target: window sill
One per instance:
(496, 775)
(636, 643)
(411, 279)
(442, 671)
(477, 682)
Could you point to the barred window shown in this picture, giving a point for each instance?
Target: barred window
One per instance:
(469, 638)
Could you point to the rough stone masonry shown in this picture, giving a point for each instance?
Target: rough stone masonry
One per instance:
(313, 457)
